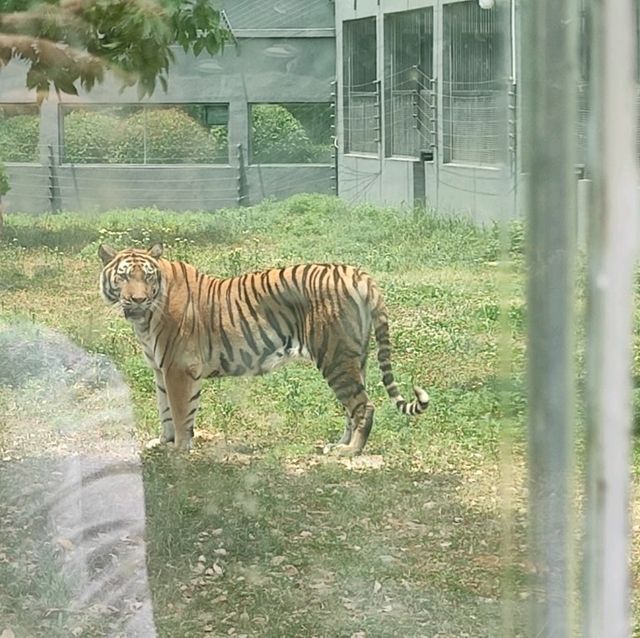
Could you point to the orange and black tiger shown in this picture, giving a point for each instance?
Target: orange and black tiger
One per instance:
(192, 326)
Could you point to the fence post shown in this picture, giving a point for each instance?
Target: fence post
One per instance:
(54, 187)
(378, 112)
(549, 73)
(334, 135)
(242, 185)
(611, 232)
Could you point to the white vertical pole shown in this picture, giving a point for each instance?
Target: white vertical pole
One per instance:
(549, 71)
(612, 254)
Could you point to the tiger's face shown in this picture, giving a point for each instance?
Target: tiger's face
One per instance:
(131, 278)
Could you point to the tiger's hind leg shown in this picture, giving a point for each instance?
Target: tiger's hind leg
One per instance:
(347, 381)
(348, 430)
(362, 422)
(349, 426)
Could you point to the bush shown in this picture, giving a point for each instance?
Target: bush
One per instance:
(169, 136)
(19, 138)
(278, 137)
(89, 137)
(4, 180)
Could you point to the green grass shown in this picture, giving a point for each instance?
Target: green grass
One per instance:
(405, 541)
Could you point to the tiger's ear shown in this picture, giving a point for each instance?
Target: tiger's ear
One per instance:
(106, 253)
(155, 251)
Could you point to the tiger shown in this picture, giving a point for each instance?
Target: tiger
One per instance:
(192, 326)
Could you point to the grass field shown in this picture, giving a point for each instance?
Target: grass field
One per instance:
(257, 533)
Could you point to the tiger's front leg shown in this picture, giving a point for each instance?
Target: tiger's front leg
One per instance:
(164, 410)
(183, 394)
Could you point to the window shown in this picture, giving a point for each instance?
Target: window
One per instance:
(133, 134)
(291, 133)
(361, 89)
(409, 98)
(473, 92)
(19, 133)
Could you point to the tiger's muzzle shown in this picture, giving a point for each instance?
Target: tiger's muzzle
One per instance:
(136, 307)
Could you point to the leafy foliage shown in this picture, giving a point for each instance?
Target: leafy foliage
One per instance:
(19, 138)
(4, 180)
(278, 137)
(89, 136)
(162, 136)
(69, 42)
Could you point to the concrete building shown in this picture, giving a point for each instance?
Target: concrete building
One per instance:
(423, 95)
(427, 104)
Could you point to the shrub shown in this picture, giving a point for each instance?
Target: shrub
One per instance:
(278, 137)
(165, 136)
(19, 138)
(89, 137)
(4, 180)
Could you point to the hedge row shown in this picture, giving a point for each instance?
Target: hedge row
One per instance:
(161, 136)
(19, 137)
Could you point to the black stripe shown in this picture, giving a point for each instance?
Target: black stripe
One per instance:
(226, 343)
(210, 287)
(305, 274)
(183, 268)
(322, 350)
(200, 282)
(163, 390)
(251, 308)
(273, 322)
(155, 345)
(228, 303)
(193, 316)
(224, 363)
(168, 347)
(332, 379)
(313, 279)
(246, 331)
(254, 288)
(195, 396)
(290, 327)
(348, 391)
(265, 338)
(247, 359)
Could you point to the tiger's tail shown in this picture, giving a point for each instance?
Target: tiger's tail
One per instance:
(381, 327)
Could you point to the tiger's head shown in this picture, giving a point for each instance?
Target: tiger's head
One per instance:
(132, 279)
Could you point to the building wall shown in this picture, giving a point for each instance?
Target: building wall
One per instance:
(285, 52)
(481, 193)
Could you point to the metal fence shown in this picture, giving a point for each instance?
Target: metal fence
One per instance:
(361, 89)
(409, 88)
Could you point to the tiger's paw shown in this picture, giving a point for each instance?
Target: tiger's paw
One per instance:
(182, 446)
(340, 449)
